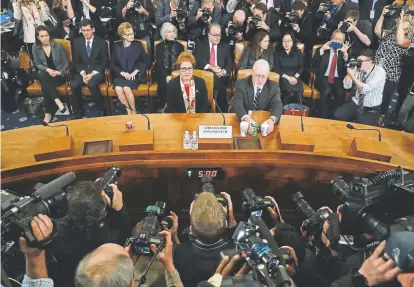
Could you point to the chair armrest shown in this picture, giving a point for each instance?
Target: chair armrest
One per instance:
(150, 71)
(212, 105)
(68, 74)
(108, 76)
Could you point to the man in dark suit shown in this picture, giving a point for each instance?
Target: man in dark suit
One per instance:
(269, 23)
(329, 65)
(213, 55)
(196, 24)
(90, 57)
(256, 92)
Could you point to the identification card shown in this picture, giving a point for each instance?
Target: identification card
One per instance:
(372, 14)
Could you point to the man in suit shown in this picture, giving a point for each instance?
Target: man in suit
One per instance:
(256, 92)
(90, 57)
(197, 25)
(269, 22)
(329, 65)
(214, 55)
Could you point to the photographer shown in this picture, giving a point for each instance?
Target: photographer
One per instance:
(235, 28)
(198, 259)
(369, 81)
(358, 32)
(303, 28)
(201, 17)
(263, 20)
(140, 14)
(167, 12)
(91, 221)
(332, 16)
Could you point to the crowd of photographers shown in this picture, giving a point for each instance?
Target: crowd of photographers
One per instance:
(345, 30)
(92, 245)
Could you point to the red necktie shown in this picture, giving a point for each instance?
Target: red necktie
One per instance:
(212, 57)
(331, 75)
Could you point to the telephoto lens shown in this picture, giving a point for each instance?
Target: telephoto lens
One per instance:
(302, 205)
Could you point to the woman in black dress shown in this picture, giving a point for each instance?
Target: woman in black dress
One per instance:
(129, 63)
(166, 54)
(51, 60)
(259, 48)
(289, 65)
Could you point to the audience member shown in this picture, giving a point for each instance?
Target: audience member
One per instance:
(256, 92)
(198, 26)
(187, 93)
(213, 55)
(239, 18)
(51, 60)
(303, 29)
(369, 81)
(335, 14)
(259, 48)
(90, 58)
(90, 9)
(269, 22)
(129, 63)
(289, 65)
(166, 54)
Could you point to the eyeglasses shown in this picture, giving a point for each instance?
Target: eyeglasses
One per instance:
(216, 35)
(184, 70)
(261, 77)
(287, 41)
(129, 34)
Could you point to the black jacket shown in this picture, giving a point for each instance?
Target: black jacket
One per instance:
(224, 57)
(139, 61)
(272, 20)
(166, 54)
(337, 17)
(320, 63)
(197, 28)
(175, 100)
(95, 17)
(141, 23)
(98, 61)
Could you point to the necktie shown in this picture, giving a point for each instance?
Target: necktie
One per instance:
(88, 48)
(256, 99)
(361, 97)
(212, 56)
(331, 75)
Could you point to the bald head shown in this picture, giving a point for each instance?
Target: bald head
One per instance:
(107, 266)
(261, 66)
(239, 16)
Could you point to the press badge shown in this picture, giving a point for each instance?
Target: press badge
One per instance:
(372, 14)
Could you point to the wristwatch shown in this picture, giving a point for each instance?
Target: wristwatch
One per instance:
(358, 280)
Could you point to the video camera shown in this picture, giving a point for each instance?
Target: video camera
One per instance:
(354, 63)
(151, 227)
(206, 13)
(207, 186)
(253, 23)
(110, 177)
(387, 195)
(313, 223)
(182, 15)
(233, 29)
(253, 203)
(327, 5)
(394, 11)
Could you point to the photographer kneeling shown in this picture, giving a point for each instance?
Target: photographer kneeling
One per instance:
(369, 80)
(92, 220)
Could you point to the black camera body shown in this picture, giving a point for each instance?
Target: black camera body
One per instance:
(354, 63)
(137, 4)
(394, 11)
(110, 177)
(344, 27)
(207, 186)
(234, 29)
(206, 13)
(151, 227)
(324, 33)
(253, 23)
(287, 256)
(252, 202)
(314, 220)
(326, 7)
(292, 18)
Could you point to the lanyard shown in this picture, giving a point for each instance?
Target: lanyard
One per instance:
(373, 4)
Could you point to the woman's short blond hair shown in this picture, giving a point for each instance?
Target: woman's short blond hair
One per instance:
(123, 27)
(185, 57)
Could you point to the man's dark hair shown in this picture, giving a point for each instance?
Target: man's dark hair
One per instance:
(333, 232)
(287, 235)
(262, 7)
(369, 53)
(87, 22)
(353, 14)
(298, 5)
(86, 207)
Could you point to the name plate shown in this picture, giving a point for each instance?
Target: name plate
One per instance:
(215, 132)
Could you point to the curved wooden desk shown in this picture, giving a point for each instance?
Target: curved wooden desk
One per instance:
(160, 174)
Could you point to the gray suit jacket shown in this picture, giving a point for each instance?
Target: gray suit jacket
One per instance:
(58, 54)
(269, 100)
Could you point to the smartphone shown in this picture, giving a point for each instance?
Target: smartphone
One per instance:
(336, 45)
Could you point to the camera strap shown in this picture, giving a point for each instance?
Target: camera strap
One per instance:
(42, 244)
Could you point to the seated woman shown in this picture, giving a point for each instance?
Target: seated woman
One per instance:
(289, 65)
(51, 60)
(129, 63)
(166, 54)
(187, 93)
(258, 49)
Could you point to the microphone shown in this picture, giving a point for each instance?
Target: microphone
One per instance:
(57, 126)
(351, 127)
(148, 120)
(224, 119)
(301, 115)
(52, 187)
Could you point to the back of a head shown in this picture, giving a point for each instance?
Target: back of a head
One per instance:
(107, 266)
(208, 219)
(287, 235)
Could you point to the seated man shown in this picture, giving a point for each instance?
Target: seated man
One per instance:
(256, 92)
(90, 58)
(369, 81)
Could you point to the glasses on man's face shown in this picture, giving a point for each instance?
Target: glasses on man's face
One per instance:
(185, 70)
(260, 77)
(216, 35)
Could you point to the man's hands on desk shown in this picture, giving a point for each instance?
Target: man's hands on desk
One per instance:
(270, 122)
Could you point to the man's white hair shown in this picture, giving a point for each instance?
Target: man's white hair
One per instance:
(261, 64)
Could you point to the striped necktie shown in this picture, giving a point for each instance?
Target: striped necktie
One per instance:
(361, 96)
(256, 99)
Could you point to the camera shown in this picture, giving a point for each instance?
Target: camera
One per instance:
(394, 11)
(314, 220)
(326, 6)
(110, 177)
(354, 63)
(137, 4)
(207, 186)
(151, 227)
(374, 201)
(233, 30)
(344, 27)
(253, 23)
(182, 14)
(287, 256)
(252, 202)
(292, 18)
(206, 13)
(324, 33)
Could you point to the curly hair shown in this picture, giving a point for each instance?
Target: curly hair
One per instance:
(86, 207)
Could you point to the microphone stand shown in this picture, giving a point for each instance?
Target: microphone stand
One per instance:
(301, 114)
(351, 127)
(217, 106)
(148, 120)
(143, 278)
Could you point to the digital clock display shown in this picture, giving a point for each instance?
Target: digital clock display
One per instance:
(215, 173)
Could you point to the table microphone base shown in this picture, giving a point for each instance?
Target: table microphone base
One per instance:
(371, 149)
(137, 140)
(53, 147)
